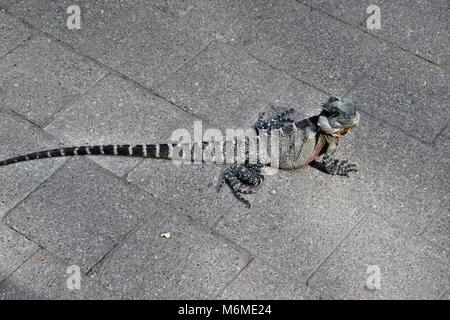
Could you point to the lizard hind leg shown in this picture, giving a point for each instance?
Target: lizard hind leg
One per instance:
(241, 179)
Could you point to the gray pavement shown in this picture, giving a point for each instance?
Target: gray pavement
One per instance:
(149, 229)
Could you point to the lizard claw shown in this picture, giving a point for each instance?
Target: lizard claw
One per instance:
(343, 168)
(221, 183)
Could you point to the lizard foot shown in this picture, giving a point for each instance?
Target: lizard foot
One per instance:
(242, 180)
(343, 168)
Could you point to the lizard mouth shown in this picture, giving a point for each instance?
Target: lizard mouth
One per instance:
(338, 128)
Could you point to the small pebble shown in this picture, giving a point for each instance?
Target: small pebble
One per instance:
(166, 235)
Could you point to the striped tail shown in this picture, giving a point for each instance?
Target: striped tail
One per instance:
(159, 151)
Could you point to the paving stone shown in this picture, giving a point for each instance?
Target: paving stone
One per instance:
(324, 52)
(42, 78)
(51, 17)
(229, 20)
(99, 118)
(409, 267)
(401, 87)
(13, 33)
(259, 281)
(14, 250)
(224, 86)
(191, 264)
(306, 100)
(44, 277)
(418, 26)
(5, 4)
(17, 137)
(439, 229)
(191, 188)
(352, 11)
(398, 177)
(297, 219)
(295, 228)
(81, 212)
(146, 44)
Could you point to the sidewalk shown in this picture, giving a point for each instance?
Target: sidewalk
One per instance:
(137, 70)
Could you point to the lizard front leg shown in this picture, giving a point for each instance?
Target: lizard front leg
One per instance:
(338, 167)
(333, 166)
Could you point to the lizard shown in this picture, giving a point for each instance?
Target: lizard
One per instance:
(301, 143)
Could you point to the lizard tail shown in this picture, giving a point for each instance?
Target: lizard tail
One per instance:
(159, 151)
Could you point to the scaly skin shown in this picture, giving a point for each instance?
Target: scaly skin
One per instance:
(300, 144)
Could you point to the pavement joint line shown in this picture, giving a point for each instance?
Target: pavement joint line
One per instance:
(216, 223)
(270, 103)
(417, 235)
(96, 267)
(364, 76)
(221, 217)
(188, 61)
(150, 90)
(281, 270)
(369, 71)
(23, 118)
(74, 102)
(427, 143)
(345, 237)
(26, 196)
(174, 104)
(251, 258)
(100, 64)
(139, 224)
(23, 262)
(286, 274)
(444, 293)
(168, 203)
(294, 78)
(435, 216)
(398, 47)
(242, 250)
(134, 166)
(119, 240)
(22, 43)
(165, 12)
(361, 28)
(359, 221)
(431, 243)
(59, 260)
(361, 23)
(440, 134)
(358, 81)
(220, 292)
(23, 235)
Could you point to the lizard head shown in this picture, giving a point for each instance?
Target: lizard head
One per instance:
(338, 117)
